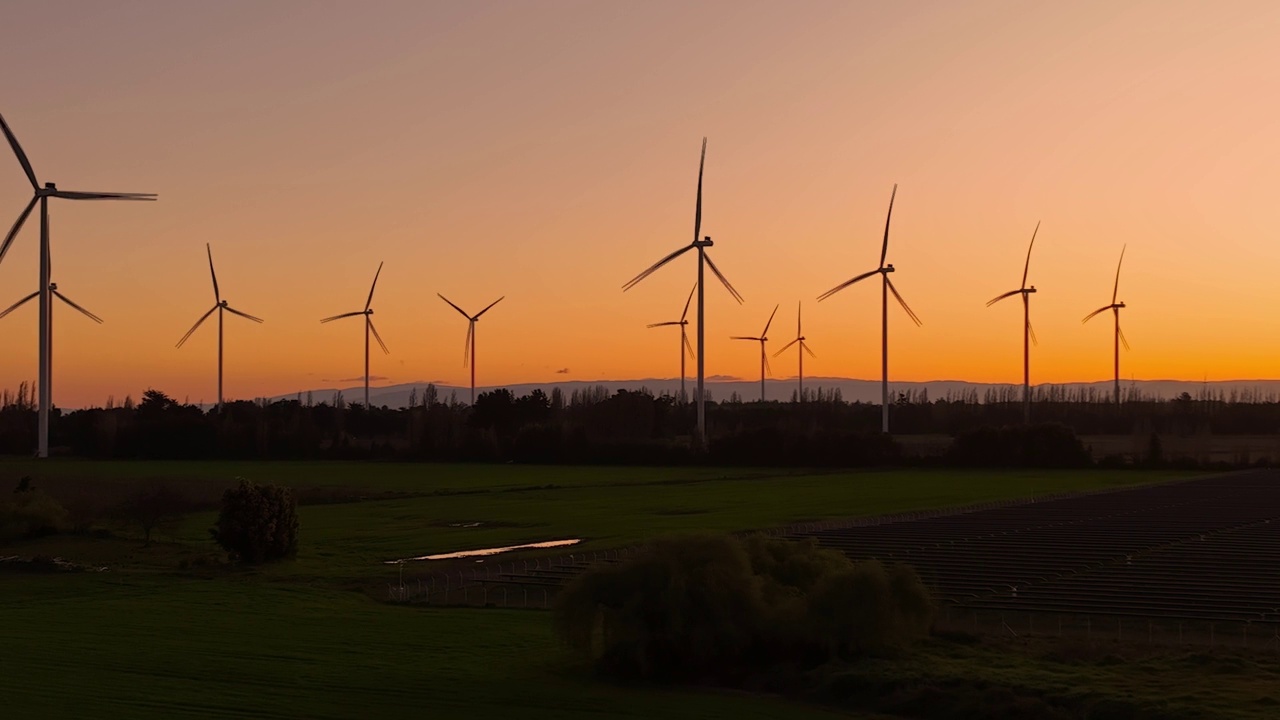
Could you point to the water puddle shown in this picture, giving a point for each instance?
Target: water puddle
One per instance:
(488, 551)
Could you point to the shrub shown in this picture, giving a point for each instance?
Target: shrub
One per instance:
(258, 523)
(702, 608)
(153, 507)
(28, 514)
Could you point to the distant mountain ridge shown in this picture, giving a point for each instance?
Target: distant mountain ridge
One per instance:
(782, 389)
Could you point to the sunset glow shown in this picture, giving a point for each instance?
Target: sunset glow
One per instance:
(547, 152)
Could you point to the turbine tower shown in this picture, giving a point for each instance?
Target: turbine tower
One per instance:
(704, 261)
(367, 312)
(804, 348)
(53, 290)
(764, 356)
(1115, 308)
(469, 347)
(41, 195)
(220, 306)
(886, 287)
(1028, 333)
(684, 339)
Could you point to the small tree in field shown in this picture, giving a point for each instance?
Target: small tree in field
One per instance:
(154, 507)
(258, 523)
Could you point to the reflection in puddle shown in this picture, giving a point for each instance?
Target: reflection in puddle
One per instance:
(489, 551)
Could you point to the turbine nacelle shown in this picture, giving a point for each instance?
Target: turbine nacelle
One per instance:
(704, 242)
(887, 268)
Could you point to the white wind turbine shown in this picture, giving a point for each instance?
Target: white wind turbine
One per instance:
(1115, 308)
(53, 290)
(1028, 334)
(886, 288)
(220, 306)
(804, 348)
(367, 312)
(469, 349)
(701, 244)
(764, 356)
(41, 195)
(684, 339)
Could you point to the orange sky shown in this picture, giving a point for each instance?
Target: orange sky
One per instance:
(548, 151)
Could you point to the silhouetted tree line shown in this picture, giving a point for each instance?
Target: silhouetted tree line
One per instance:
(594, 425)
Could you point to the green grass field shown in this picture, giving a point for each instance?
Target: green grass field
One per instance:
(147, 639)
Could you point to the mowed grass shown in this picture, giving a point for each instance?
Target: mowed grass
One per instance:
(98, 647)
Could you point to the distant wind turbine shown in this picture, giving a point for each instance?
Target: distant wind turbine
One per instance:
(1028, 333)
(886, 288)
(764, 356)
(703, 261)
(469, 348)
(1115, 308)
(53, 290)
(367, 312)
(684, 339)
(45, 293)
(804, 348)
(220, 306)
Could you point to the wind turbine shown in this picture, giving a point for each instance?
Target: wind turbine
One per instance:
(684, 339)
(804, 348)
(886, 288)
(469, 348)
(220, 306)
(703, 261)
(41, 195)
(1028, 334)
(367, 312)
(764, 357)
(1114, 307)
(53, 290)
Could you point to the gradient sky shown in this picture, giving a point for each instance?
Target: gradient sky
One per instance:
(547, 151)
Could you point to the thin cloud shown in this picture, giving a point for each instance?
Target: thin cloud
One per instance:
(372, 378)
(723, 378)
(562, 371)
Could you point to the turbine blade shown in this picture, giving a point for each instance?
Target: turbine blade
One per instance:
(13, 232)
(1090, 316)
(1123, 340)
(466, 349)
(1032, 332)
(455, 307)
(653, 268)
(77, 195)
(369, 302)
(799, 306)
(343, 315)
(884, 249)
(766, 325)
(805, 346)
(743, 337)
(685, 314)
(376, 336)
(736, 295)
(20, 303)
(768, 369)
(1027, 268)
(22, 156)
(687, 345)
(217, 295)
(486, 308)
(664, 324)
(1116, 291)
(786, 347)
(846, 284)
(198, 324)
(86, 313)
(910, 313)
(998, 298)
(697, 213)
(243, 314)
